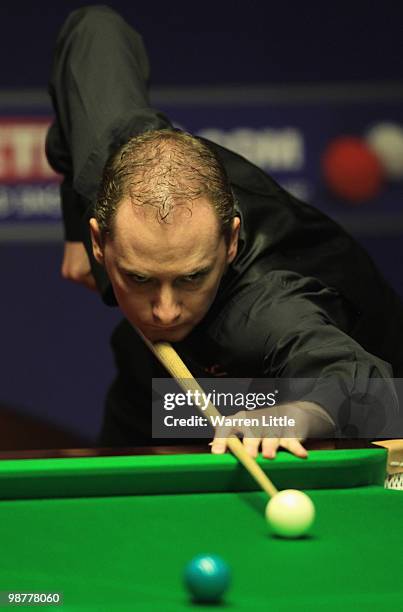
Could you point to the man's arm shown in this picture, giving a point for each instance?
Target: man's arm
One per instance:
(76, 265)
(99, 92)
(332, 385)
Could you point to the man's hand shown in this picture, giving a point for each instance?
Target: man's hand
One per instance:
(310, 420)
(76, 265)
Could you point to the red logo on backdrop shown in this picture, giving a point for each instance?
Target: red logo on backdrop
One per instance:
(22, 150)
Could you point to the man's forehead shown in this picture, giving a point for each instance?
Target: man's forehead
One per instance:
(172, 210)
(191, 234)
(161, 261)
(146, 221)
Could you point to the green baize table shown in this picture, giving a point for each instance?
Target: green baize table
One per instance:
(114, 533)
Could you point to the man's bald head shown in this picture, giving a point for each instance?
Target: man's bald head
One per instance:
(162, 171)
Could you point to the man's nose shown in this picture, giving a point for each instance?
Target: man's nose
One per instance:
(166, 308)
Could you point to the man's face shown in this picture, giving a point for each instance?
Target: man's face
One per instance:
(165, 275)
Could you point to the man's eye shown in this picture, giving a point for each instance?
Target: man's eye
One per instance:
(191, 278)
(136, 278)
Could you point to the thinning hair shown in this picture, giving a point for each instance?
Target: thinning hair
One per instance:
(164, 169)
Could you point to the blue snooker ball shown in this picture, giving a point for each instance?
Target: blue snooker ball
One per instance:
(207, 577)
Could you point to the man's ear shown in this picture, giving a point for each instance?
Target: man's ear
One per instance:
(96, 241)
(233, 243)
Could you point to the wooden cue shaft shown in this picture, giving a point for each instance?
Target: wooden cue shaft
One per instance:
(175, 366)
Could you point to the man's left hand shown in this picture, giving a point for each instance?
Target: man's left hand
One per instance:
(311, 420)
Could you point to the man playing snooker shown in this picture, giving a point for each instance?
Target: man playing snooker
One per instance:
(201, 249)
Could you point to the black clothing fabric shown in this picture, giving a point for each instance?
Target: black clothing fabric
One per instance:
(302, 299)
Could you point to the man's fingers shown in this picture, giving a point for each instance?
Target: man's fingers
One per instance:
(269, 447)
(82, 279)
(251, 445)
(76, 265)
(295, 447)
(218, 446)
(89, 282)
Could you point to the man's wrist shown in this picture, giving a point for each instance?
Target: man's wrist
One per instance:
(311, 419)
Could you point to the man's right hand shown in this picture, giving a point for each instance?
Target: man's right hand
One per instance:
(76, 265)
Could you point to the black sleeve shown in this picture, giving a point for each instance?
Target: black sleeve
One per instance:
(73, 209)
(99, 93)
(296, 331)
(308, 345)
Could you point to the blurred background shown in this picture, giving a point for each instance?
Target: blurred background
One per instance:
(311, 93)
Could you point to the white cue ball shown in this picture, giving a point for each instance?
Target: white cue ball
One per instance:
(290, 513)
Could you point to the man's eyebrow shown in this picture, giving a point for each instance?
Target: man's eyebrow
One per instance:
(205, 269)
(129, 271)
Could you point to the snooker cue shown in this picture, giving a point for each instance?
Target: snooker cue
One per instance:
(175, 366)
